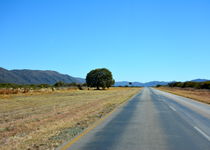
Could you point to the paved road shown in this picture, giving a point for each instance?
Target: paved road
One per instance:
(152, 120)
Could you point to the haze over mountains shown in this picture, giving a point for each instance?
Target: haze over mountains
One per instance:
(26, 76)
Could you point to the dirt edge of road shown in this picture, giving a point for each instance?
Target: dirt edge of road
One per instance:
(196, 94)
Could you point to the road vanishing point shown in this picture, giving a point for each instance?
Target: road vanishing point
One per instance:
(151, 120)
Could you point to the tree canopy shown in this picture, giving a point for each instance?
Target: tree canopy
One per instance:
(101, 77)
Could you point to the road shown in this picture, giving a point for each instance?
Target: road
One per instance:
(152, 120)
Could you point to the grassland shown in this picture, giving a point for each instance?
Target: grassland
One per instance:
(201, 95)
(44, 121)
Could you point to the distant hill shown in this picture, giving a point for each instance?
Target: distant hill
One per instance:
(27, 76)
(199, 80)
(152, 83)
(124, 83)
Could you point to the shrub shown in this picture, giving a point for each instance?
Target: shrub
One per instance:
(205, 85)
(59, 84)
(190, 84)
(79, 87)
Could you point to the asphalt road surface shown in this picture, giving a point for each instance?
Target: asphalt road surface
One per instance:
(152, 120)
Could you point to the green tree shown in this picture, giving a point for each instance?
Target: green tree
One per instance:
(158, 85)
(99, 78)
(205, 85)
(59, 84)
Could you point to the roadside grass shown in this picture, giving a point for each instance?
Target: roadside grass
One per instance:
(44, 121)
(8, 93)
(196, 94)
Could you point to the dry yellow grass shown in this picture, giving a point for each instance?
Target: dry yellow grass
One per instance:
(196, 94)
(44, 121)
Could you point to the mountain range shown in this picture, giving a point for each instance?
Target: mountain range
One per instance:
(151, 83)
(27, 76)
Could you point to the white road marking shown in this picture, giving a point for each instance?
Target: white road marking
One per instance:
(172, 108)
(201, 132)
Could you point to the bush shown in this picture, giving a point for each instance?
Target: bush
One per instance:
(205, 85)
(8, 91)
(79, 87)
(59, 84)
(44, 85)
(190, 84)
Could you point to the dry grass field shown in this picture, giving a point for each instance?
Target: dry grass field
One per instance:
(196, 94)
(44, 121)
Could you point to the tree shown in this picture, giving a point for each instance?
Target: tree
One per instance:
(99, 78)
(59, 84)
(158, 85)
(205, 85)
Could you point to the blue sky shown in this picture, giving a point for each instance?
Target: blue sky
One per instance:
(137, 40)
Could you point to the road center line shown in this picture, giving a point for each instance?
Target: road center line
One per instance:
(201, 132)
(172, 108)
